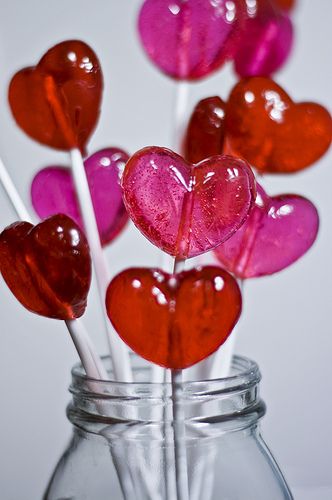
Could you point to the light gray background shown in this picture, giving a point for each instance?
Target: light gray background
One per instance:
(286, 320)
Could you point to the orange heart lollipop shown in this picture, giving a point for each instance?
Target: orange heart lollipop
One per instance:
(274, 134)
(57, 102)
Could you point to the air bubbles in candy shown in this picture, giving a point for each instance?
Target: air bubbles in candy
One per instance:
(274, 134)
(57, 102)
(187, 209)
(47, 267)
(189, 39)
(179, 320)
(53, 191)
(279, 230)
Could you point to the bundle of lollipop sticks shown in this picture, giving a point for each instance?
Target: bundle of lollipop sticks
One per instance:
(202, 198)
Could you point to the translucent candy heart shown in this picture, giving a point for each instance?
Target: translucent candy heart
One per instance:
(273, 133)
(47, 267)
(53, 191)
(278, 232)
(57, 102)
(189, 39)
(268, 36)
(179, 320)
(206, 130)
(187, 209)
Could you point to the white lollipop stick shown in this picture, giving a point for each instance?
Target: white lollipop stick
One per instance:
(181, 471)
(85, 349)
(118, 350)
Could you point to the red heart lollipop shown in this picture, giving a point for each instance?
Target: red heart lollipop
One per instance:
(271, 132)
(57, 102)
(206, 130)
(47, 267)
(178, 320)
(53, 191)
(187, 209)
(278, 232)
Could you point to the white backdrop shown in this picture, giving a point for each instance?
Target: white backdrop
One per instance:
(286, 320)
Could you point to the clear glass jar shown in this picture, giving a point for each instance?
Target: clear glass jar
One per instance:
(122, 444)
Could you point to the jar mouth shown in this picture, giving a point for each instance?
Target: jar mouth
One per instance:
(244, 373)
(232, 399)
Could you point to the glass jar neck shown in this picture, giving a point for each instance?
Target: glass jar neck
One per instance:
(233, 402)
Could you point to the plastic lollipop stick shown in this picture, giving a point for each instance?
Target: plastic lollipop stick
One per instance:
(119, 353)
(12, 194)
(90, 360)
(181, 99)
(180, 108)
(180, 452)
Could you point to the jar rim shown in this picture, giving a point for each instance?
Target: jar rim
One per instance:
(244, 372)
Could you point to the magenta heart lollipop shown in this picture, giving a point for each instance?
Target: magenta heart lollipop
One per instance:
(52, 192)
(189, 39)
(278, 232)
(268, 35)
(187, 209)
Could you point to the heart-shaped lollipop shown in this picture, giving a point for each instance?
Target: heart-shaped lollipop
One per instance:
(273, 133)
(57, 102)
(189, 39)
(278, 232)
(268, 35)
(187, 209)
(206, 130)
(179, 320)
(53, 191)
(47, 267)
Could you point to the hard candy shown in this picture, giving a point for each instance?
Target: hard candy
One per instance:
(187, 209)
(174, 321)
(273, 133)
(53, 191)
(206, 130)
(47, 267)
(189, 39)
(57, 102)
(279, 230)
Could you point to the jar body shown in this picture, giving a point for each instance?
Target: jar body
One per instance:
(235, 466)
(129, 455)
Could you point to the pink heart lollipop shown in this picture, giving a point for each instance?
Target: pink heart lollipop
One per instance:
(278, 232)
(189, 39)
(187, 209)
(268, 41)
(52, 192)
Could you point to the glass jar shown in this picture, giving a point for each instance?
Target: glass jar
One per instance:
(122, 445)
